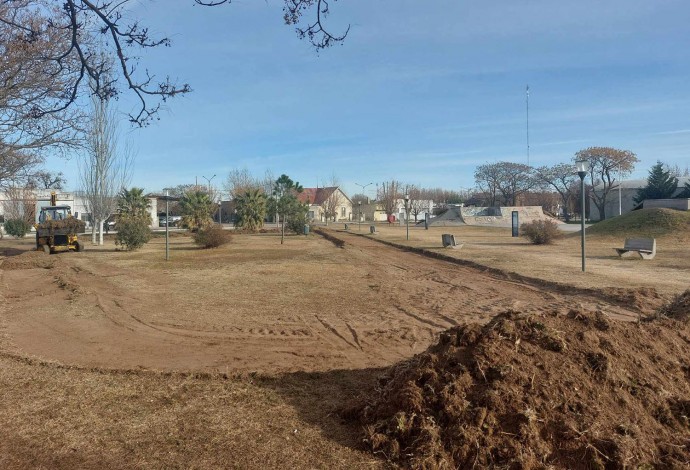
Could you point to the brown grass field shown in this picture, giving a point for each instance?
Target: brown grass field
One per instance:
(242, 356)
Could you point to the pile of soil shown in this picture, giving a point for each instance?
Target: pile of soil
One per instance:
(575, 390)
(69, 224)
(678, 308)
(28, 260)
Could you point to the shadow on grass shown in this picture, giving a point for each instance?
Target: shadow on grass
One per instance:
(321, 398)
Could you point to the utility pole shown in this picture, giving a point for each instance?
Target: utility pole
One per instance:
(527, 102)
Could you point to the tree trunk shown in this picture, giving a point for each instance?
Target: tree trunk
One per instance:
(282, 231)
(93, 231)
(100, 232)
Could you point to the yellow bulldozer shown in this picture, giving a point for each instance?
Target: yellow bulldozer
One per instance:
(56, 229)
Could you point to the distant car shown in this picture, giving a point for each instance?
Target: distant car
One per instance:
(173, 220)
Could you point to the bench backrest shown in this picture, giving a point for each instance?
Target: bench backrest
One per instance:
(648, 244)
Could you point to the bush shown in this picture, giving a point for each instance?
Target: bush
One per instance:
(17, 227)
(541, 232)
(296, 222)
(212, 236)
(132, 232)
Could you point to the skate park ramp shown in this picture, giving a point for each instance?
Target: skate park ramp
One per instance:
(487, 216)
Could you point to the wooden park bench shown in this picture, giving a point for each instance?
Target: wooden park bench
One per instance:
(645, 247)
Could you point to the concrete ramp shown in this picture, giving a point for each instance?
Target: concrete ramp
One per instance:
(488, 216)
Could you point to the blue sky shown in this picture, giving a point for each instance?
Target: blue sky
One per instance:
(420, 91)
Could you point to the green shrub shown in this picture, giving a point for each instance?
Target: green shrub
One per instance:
(296, 223)
(541, 232)
(132, 232)
(17, 227)
(212, 236)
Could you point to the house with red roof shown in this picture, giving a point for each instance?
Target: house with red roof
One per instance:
(327, 204)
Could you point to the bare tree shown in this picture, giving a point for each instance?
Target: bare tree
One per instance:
(239, 181)
(561, 177)
(514, 179)
(20, 203)
(604, 164)
(333, 202)
(388, 195)
(106, 167)
(486, 177)
(419, 201)
(93, 44)
(33, 117)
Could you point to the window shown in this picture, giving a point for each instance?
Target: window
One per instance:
(343, 211)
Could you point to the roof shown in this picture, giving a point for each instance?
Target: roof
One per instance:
(641, 183)
(316, 196)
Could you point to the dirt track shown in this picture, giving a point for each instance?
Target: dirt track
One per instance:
(317, 307)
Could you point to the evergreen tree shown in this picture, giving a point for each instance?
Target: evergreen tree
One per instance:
(660, 184)
(285, 203)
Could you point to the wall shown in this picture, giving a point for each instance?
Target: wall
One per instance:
(679, 204)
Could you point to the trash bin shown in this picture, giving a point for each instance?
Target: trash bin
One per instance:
(306, 229)
(372, 229)
(347, 227)
(447, 239)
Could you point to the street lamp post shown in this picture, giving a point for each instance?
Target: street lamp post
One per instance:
(364, 186)
(208, 180)
(407, 216)
(359, 218)
(167, 224)
(582, 169)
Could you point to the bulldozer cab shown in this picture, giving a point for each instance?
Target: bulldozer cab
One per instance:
(54, 213)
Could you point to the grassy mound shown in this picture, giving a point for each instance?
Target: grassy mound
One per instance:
(573, 390)
(644, 223)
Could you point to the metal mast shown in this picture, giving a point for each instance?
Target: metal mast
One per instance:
(527, 103)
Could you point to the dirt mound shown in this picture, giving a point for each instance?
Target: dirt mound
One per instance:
(69, 224)
(28, 260)
(643, 299)
(644, 223)
(576, 391)
(678, 308)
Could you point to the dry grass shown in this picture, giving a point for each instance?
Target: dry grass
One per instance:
(561, 261)
(90, 416)
(53, 417)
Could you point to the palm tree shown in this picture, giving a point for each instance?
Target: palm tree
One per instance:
(132, 203)
(196, 207)
(251, 209)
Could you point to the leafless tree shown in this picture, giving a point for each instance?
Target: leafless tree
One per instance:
(93, 45)
(486, 177)
(106, 167)
(561, 177)
(331, 205)
(605, 163)
(507, 178)
(240, 181)
(388, 194)
(20, 203)
(333, 202)
(419, 201)
(33, 117)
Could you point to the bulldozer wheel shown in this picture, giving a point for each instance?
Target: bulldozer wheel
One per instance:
(46, 249)
(78, 247)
